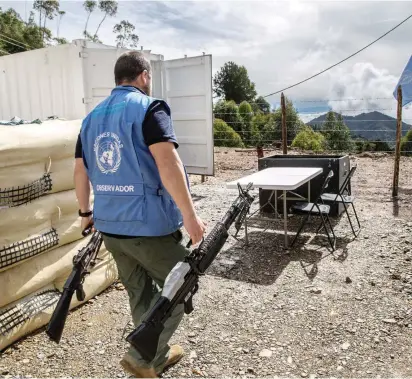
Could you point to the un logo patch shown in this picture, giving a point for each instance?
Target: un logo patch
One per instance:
(107, 150)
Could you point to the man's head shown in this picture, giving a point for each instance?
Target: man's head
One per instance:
(132, 68)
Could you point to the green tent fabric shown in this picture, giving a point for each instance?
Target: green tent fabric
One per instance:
(18, 121)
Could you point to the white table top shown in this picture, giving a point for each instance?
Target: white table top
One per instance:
(278, 178)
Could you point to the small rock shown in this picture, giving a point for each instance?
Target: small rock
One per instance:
(265, 353)
(303, 374)
(348, 280)
(245, 351)
(227, 262)
(345, 346)
(290, 360)
(389, 321)
(89, 324)
(193, 355)
(101, 352)
(316, 291)
(50, 355)
(359, 298)
(396, 276)
(339, 368)
(41, 356)
(26, 361)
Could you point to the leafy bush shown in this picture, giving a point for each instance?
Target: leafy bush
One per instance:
(224, 135)
(308, 139)
(246, 113)
(228, 111)
(406, 144)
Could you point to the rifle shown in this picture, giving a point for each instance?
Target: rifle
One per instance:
(182, 282)
(82, 262)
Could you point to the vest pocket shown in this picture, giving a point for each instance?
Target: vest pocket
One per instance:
(120, 208)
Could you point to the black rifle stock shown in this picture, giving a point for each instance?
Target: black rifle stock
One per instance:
(182, 282)
(82, 262)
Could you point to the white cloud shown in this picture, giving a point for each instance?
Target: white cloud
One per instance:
(279, 42)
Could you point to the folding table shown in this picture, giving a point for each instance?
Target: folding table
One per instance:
(285, 179)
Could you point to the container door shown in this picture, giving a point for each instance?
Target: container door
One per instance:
(98, 65)
(98, 75)
(187, 88)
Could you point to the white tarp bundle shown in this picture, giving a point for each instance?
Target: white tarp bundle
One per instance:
(39, 226)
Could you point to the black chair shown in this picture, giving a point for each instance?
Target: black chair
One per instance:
(316, 209)
(345, 197)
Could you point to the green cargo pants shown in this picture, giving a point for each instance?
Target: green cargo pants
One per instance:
(143, 264)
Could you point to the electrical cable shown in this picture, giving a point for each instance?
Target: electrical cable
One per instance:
(343, 60)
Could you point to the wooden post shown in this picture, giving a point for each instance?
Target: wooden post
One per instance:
(284, 129)
(203, 179)
(398, 145)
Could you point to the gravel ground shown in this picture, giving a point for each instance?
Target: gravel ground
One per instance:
(262, 311)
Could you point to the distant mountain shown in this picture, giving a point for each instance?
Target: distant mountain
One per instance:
(371, 126)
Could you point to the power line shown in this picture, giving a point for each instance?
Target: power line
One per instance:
(3, 51)
(343, 60)
(14, 40)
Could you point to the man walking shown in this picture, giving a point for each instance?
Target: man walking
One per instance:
(127, 150)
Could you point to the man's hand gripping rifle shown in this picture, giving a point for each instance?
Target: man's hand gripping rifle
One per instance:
(82, 263)
(182, 282)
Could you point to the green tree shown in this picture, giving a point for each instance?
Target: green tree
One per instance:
(293, 122)
(61, 14)
(47, 10)
(224, 135)
(261, 105)
(308, 139)
(18, 36)
(406, 144)
(246, 113)
(89, 7)
(228, 111)
(109, 8)
(232, 83)
(125, 36)
(337, 134)
(382, 146)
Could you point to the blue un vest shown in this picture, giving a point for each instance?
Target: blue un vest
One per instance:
(129, 198)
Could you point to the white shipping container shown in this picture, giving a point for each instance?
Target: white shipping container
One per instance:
(69, 80)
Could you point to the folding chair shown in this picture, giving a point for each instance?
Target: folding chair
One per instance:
(316, 209)
(344, 199)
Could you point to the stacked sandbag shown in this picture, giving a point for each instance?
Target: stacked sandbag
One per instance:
(40, 229)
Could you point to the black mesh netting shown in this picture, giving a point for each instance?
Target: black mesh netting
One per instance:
(15, 196)
(14, 316)
(21, 250)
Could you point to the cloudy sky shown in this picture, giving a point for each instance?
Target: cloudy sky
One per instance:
(279, 42)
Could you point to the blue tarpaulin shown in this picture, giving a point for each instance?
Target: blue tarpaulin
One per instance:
(406, 82)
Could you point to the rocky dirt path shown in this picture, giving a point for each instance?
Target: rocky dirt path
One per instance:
(261, 311)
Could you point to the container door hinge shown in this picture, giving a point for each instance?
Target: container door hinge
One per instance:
(87, 101)
(83, 55)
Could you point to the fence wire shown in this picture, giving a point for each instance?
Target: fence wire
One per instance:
(367, 126)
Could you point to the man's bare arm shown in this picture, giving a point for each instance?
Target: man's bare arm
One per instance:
(82, 185)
